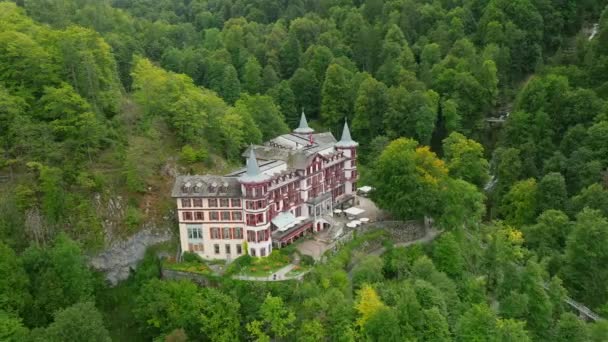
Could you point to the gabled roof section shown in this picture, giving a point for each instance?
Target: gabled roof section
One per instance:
(346, 140)
(303, 127)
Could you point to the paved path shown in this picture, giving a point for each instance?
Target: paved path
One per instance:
(281, 275)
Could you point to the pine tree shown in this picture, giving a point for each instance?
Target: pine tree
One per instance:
(230, 87)
(334, 97)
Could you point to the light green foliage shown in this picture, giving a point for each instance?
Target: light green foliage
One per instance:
(265, 114)
(11, 328)
(276, 317)
(407, 179)
(382, 325)
(367, 271)
(462, 205)
(81, 321)
(165, 306)
(448, 256)
(586, 251)
(435, 326)
(593, 196)
(519, 205)
(220, 319)
(465, 159)
(14, 295)
(89, 66)
(59, 276)
(311, 331)
(412, 114)
(477, 324)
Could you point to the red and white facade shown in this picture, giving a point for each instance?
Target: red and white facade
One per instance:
(289, 188)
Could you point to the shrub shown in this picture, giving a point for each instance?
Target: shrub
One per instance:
(133, 218)
(307, 260)
(191, 257)
(191, 155)
(239, 263)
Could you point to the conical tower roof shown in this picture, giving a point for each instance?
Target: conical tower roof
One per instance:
(346, 140)
(253, 173)
(303, 127)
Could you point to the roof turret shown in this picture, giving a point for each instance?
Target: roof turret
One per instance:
(346, 140)
(253, 173)
(303, 127)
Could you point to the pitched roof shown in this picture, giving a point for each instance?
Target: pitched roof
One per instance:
(206, 186)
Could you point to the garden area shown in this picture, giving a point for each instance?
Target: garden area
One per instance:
(259, 267)
(192, 263)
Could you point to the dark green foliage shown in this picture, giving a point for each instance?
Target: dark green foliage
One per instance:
(75, 323)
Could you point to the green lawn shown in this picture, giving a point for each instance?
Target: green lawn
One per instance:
(191, 266)
(297, 270)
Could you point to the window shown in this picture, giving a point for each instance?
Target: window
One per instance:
(239, 249)
(227, 249)
(298, 211)
(259, 218)
(251, 219)
(237, 233)
(196, 247)
(187, 215)
(215, 233)
(237, 216)
(236, 202)
(226, 233)
(197, 202)
(185, 202)
(216, 248)
(224, 203)
(213, 203)
(258, 192)
(251, 236)
(195, 233)
(263, 251)
(225, 216)
(260, 204)
(214, 216)
(199, 216)
(252, 252)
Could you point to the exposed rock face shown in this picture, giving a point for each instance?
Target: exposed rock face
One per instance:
(122, 256)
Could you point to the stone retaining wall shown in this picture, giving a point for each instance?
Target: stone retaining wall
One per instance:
(200, 279)
(399, 231)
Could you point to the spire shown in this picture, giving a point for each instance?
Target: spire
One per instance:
(253, 174)
(303, 127)
(346, 140)
(252, 164)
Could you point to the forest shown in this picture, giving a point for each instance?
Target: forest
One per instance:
(104, 101)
